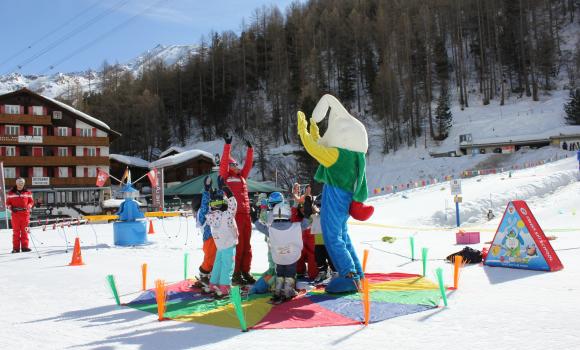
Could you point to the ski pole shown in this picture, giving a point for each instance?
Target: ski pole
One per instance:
(34, 244)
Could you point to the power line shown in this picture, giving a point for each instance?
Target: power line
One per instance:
(66, 23)
(101, 37)
(79, 29)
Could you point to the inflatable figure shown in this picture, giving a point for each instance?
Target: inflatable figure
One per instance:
(341, 154)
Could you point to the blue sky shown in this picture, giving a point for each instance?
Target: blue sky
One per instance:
(45, 24)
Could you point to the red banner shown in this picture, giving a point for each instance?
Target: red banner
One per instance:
(152, 175)
(102, 177)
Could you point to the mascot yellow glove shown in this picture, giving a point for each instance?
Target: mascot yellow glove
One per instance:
(326, 156)
(314, 130)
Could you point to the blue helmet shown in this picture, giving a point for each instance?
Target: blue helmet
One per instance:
(275, 198)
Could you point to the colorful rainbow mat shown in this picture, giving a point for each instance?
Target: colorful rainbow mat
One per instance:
(391, 295)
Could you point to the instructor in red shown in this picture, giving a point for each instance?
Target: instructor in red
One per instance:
(235, 179)
(19, 201)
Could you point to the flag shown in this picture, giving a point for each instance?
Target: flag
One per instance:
(102, 177)
(126, 175)
(152, 175)
(2, 189)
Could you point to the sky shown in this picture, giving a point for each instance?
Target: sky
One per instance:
(49, 36)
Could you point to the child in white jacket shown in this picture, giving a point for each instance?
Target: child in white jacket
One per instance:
(285, 243)
(221, 219)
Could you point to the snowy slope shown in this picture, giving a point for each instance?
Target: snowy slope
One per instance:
(50, 305)
(60, 84)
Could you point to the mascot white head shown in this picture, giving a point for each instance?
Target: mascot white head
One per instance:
(344, 130)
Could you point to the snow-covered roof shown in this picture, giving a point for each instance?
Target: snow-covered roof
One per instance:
(77, 112)
(172, 149)
(180, 158)
(132, 161)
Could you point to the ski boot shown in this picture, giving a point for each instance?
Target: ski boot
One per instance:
(237, 279)
(277, 295)
(248, 278)
(289, 291)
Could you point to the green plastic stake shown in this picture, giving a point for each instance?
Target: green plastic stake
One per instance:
(412, 241)
(439, 272)
(185, 260)
(236, 299)
(111, 281)
(424, 257)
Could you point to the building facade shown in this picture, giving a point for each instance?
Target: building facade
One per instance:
(55, 148)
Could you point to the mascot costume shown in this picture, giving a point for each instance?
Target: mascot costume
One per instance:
(341, 154)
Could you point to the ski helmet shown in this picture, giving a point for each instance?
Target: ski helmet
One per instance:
(275, 198)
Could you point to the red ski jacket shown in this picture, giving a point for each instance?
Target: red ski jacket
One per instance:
(19, 202)
(237, 183)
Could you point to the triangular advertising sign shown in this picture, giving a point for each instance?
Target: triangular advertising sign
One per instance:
(520, 242)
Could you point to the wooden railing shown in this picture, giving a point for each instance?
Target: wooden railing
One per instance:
(53, 161)
(58, 141)
(25, 119)
(62, 181)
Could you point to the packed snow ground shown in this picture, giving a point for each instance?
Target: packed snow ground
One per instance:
(50, 305)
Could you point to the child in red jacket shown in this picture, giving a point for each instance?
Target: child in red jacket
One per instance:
(19, 201)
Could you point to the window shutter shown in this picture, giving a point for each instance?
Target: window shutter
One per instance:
(85, 151)
(44, 171)
(2, 151)
(86, 172)
(22, 109)
(1, 109)
(22, 130)
(78, 132)
(94, 132)
(98, 151)
(44, 110)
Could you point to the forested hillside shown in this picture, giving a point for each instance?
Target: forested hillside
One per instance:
(394, 64)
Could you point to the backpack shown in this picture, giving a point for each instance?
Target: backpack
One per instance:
(469, 255)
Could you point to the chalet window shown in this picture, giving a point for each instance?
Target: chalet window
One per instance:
(37, 172)
(92, 172)
(91, 151)
(189, 172)
(56, 115)
(86, 132)
(10, 151)
(50, 198)
(37, 130)
(37, 110)
(12, 109)
(62, 131)
(12, 130)
(62, 171)
(63, 151)
(10, 173)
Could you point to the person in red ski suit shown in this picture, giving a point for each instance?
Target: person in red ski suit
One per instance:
(307, 263)
(19, 201)
(235, 178)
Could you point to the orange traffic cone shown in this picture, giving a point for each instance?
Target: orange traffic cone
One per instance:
(77, 259)
(151, 230)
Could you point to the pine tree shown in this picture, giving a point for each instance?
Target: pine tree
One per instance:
(443, 114)
(572, 108)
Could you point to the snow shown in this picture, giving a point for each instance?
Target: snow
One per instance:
(133, 161)
(179, 158)
(51, 305)
(77, 112)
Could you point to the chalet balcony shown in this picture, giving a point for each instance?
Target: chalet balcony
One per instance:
(61, 181)
(53, 161)
(26, 119)
(9, 140)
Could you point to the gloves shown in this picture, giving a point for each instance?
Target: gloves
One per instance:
(302, 124)
(207, 183)
(228, 138)
(248, 143)
(227, 191)
(314, 131)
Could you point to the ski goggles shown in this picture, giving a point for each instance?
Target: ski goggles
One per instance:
(234, 164)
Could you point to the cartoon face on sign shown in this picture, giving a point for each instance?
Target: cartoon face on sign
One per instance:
(512, 244)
